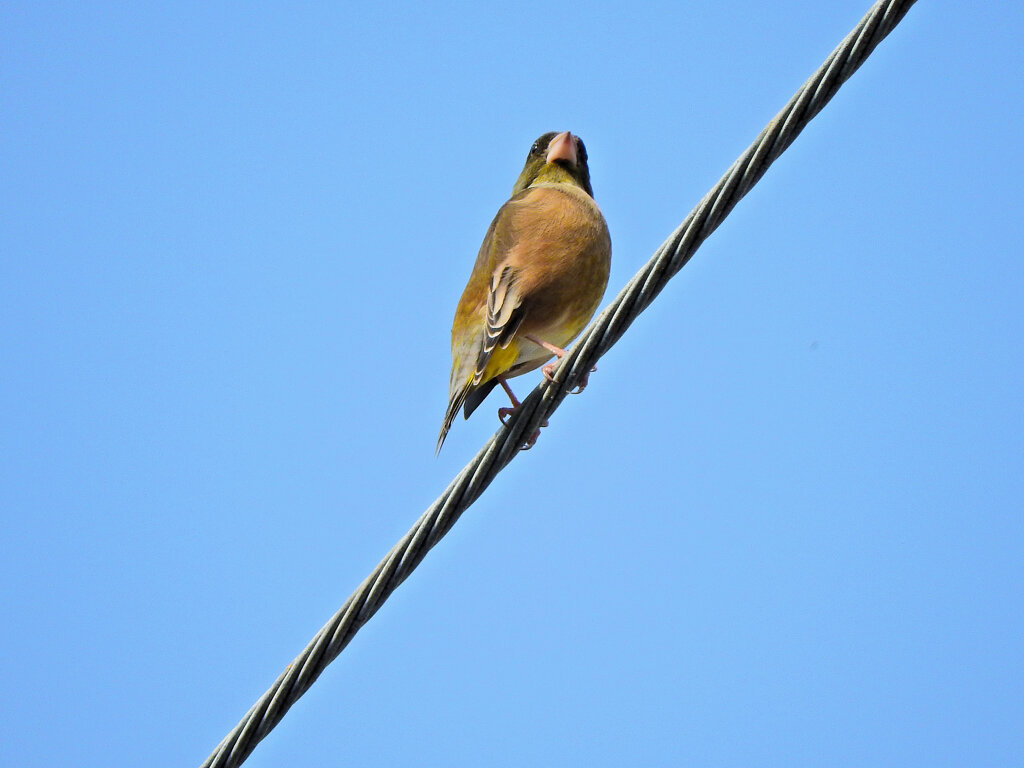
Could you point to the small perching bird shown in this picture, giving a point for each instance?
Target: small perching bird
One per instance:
(538, 278)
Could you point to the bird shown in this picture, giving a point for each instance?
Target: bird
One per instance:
(538, 278)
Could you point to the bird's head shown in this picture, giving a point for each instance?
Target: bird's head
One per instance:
(556, 158)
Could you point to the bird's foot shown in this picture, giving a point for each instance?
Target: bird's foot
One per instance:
(549, 369)
(549, 374)
(505, 413)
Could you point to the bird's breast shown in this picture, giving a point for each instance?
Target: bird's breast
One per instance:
(563, 258)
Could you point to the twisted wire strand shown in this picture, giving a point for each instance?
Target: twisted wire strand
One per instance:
(599, 336)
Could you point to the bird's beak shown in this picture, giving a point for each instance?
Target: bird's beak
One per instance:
(562, 147)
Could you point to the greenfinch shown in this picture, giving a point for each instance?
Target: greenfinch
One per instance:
(538, 278)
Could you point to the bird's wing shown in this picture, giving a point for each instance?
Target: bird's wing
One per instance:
(487, 318)
(504, 316)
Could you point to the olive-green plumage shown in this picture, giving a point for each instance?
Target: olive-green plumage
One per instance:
(540, 273)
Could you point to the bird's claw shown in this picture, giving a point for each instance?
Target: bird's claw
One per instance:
(504, 414)
(530, 441)
(549, 374)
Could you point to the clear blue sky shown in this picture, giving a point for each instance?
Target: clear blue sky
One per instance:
(783, 526)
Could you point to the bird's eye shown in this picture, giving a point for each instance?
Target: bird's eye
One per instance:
(535, 149)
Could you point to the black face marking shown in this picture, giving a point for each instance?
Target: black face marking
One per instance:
(581, 151)
(540, 146)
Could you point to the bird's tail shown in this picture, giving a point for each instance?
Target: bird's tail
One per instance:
(467, 398)
(458, 397)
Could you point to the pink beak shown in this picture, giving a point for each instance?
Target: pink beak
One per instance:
(562, 147)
